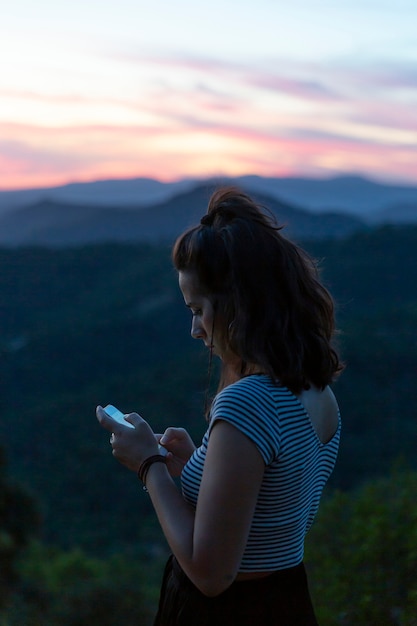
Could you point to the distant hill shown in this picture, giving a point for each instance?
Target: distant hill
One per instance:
(123, 193)
(342, 194)
(56, 224)
(404, 213)
(372, 201)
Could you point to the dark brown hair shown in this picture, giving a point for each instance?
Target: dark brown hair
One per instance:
(272, 309)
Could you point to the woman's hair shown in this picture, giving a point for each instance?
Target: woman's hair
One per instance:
(271, 308)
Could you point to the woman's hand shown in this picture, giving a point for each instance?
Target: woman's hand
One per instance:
(180, 447)
(131, 446)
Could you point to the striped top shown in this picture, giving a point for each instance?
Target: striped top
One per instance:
(297, 466)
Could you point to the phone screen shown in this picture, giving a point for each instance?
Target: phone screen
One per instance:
(117, 415)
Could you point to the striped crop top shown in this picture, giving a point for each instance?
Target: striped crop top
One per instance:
(297, 466)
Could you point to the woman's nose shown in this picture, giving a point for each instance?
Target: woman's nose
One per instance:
(196, 329)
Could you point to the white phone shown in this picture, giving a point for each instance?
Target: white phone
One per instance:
(119, 417)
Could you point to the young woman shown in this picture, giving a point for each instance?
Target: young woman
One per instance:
(251, 490)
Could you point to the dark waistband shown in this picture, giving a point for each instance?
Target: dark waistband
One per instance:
(284, 576)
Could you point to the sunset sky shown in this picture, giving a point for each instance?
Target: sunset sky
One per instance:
(94, 89)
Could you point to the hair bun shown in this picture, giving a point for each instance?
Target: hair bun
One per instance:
(221, 213)
(207, 220)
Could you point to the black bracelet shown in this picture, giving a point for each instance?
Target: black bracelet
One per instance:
(144, 468)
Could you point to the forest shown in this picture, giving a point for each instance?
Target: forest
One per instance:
(81, 326)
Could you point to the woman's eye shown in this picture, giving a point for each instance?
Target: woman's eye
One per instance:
(196, 312)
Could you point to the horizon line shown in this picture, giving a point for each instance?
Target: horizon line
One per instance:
(382, 180)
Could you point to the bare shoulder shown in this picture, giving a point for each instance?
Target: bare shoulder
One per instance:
(323, 411)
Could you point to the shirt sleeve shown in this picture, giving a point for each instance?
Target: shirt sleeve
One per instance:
(251, 409)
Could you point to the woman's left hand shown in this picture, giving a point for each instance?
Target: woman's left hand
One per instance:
(131, 446)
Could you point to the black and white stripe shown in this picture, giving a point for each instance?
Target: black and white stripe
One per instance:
(297, 464)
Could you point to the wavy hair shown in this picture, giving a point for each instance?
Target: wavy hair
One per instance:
(271, 308)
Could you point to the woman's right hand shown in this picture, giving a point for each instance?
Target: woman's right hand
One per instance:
(180, 447)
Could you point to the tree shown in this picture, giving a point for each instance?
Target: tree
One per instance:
(70, 588)
(362, 554)
(19, 521)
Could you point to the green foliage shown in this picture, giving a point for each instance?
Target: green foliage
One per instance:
(72, 589)
(19, 521)
(362, 554)
(373, 277)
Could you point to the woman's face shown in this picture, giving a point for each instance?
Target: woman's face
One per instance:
(203, 313)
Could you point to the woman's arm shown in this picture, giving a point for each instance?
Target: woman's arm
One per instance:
(208, 542)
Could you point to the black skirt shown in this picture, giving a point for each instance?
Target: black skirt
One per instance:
(280, 599)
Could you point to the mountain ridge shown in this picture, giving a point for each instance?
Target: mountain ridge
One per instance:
(350, 194)
(53, 224)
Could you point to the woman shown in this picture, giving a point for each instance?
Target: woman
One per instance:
(251, 490)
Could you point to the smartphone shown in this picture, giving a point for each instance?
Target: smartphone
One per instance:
(119, 417)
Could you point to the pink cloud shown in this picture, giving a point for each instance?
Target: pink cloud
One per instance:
(303, 89)
(60, 99)
(254, 76)
(402, 116)
(326, 82)
(222, 105)
(386, 75)
(34, 156)
(179, 62)
(37, 156)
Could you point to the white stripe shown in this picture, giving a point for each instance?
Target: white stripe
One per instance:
(297, 468)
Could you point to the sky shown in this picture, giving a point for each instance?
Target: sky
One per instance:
(98, 89)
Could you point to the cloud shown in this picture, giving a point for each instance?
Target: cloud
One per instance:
(327, 82)
(246, 74)
(376, 78)
(206, 117)
(402, 116)
(177, 61)
(389, 75)
(37, 155)
(61, 99)
(297, 88)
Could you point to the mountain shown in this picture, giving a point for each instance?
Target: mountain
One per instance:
(342, 194)
(404, 213)
(50, 223)
(106, 193)
(372, 201)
